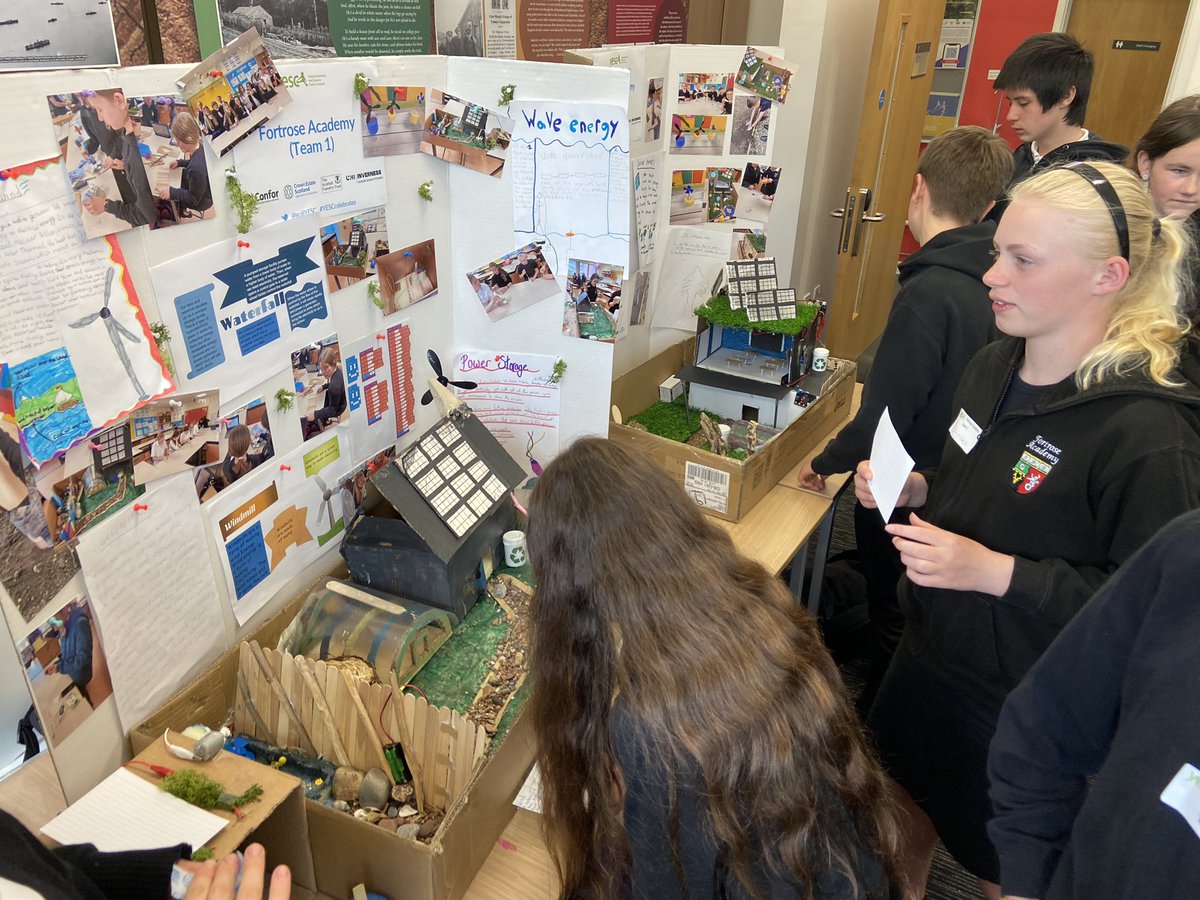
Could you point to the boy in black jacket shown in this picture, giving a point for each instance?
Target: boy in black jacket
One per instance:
(1114, 696)
(195, 192)
(136, 205)
(940, 318)
(1047, 80)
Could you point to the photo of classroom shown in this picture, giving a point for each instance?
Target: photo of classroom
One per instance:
(320, 386)
(67, 670)
(407, 276)
(689, 197)
(705, 94)
(466, 134)
(513, 282)
(351, 247)
(234, 91)
(131, 161)
(175, 433)
(593, 300)
(757, 196)
(391, 120)
(698, 135)
(751, 124)
(245, 444)
(766, 75)
(654, 102)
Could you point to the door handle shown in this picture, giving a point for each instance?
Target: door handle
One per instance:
(839, 213)
(863, 216)
(875, 217)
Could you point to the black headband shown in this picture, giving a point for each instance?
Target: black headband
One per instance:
(1109, 195)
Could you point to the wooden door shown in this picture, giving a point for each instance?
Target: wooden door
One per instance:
(1131, 72)
(871, 220)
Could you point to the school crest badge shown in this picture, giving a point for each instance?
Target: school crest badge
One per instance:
(1037, 461)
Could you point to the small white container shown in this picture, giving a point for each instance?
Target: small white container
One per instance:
(516, 553)
(820, 359)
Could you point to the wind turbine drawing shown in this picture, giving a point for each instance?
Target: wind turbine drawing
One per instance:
(117, 333)
(326, 499)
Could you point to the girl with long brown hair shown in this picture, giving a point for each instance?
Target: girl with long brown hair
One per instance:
(694, 737)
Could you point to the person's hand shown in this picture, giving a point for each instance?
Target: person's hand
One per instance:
(914, 492)
(164, 194)
(312, 416)
(95, 205)
(809, 479)
(934, 557)
(215, 881)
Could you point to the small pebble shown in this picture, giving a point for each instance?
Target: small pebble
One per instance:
(409, 832)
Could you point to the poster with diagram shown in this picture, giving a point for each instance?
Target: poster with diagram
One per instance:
(276, 520)
(236, 309)
(379, 391)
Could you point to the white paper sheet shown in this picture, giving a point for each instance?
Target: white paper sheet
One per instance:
(237, 308)
(278, 519)
(515, 400)
(570, 172)
(647, 188)
(530, 795)
(693, 259)
(309, 158)
(126, 812)
(890, 464)
(151, 581)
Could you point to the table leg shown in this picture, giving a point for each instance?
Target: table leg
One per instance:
(799, 567)
(824, 535)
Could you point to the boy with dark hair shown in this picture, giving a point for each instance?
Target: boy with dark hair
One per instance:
(1047, 81)
(940, 318)
(136, 206)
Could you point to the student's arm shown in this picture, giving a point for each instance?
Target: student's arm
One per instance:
(142, 210)
(196, 192)
(907, 368)
(1057, 727)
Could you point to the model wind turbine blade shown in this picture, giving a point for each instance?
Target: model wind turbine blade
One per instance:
(85, 321)
(464, 385)
(435, 363)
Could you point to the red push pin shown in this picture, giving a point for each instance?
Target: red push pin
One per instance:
(95, 446)
(284, 468)
(243, 243)
(380, 336)
(5, 174)
(216, 73)
(137, 507)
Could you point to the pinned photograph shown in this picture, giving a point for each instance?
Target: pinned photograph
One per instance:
(757, 195)
(131, 161)
(466, 134)
(392, 120)
(320, 386)
(698, 135)
(35, 34)
(356, 488)
(407, 276)
(513, 282)
(294, 30)
(751, 124)
(352, 246)
(174, 434)
(67, 670)
(244, 444)
(705, 94)
(748, 243)
(593, 300)
(766, 75)
(722, 193)
(459, 27)
(234, 91)
(35, 563)
(641, 295)
(689, 197)
(654, 109)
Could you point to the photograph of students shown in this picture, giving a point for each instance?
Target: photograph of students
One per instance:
(513, 282)
(1092, 756)
(751, 122)
(238, 458)
(1047, 81)
(654, 109)
(194, 196)
(136, 206)
(1168, 159)
(941, 317)
(660, 777)
(330, 409)
(1075, 438)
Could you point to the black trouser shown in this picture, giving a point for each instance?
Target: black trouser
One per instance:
(880, 564)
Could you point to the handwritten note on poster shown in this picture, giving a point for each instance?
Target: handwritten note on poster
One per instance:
(647, 181)
(516, 400)
(276, 520)
(240, 306)
(379, 389)
(693, 260)
(152, 586)
(570, 165)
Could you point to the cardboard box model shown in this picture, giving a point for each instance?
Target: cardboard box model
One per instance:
(451, 490)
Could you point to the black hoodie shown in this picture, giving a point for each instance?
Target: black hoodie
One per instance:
(1071, 487)
(940, 319)
(1091, 149)
(1115, 697)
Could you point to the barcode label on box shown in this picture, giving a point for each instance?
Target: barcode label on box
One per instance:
(709, 487)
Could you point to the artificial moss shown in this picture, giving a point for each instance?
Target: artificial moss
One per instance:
(453, 675)
(673, 420)
(718, 311)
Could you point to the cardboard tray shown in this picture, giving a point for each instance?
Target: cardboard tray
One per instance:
(745, 482)
(345, 850)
